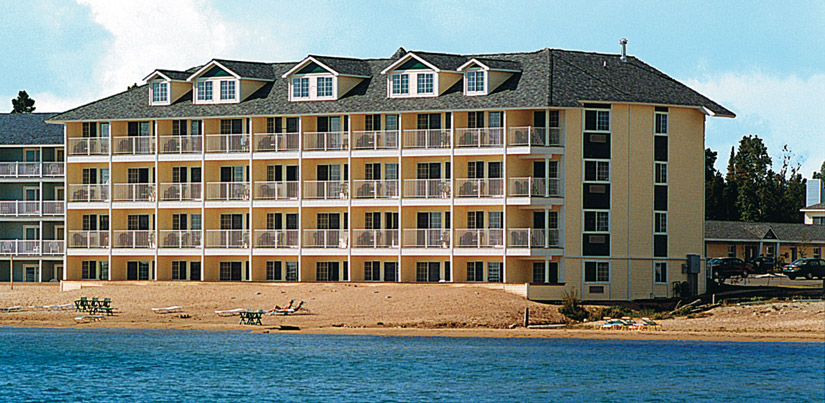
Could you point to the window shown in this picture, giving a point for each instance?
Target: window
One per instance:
(88, 270)
(661, 173)
(179, 270)
(660, 272)
(324, 87)
(661, 123)
(818, 253)
(179, 127)
(597, 120)
(425, 83)
(475, 271)
(204, 90)
(597, 171)
(274, 271)
(372, 271)
(819, 220)
(598, 272)
(494, 272)
(596, 221)
(227, 90)
(660, 223)
(300, 87)
(159, 92)
(475, 81)
(732, 251)
(400, 84)
(292, 271)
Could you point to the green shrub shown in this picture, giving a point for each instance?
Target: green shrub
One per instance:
(570, 306)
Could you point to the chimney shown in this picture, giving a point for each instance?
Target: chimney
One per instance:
(623, 42)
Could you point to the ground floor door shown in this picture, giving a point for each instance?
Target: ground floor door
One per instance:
(58, 272)
(138, 271)
(31, 273)
(231, 271)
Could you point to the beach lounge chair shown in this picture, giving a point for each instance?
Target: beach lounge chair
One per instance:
(230, 312)
(286, 311)
(168, 309)
(88, 318)
(12, 309)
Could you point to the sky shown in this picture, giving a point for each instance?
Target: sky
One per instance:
(764, 62)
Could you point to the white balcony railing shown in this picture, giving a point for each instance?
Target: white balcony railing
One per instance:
(189, 191)
(276, 238)
(16, 208)
(534, 136)
(534, 187)
(133, 192)
(426, 238)
(269, 142)
(326, 238)
(180, 144)
(134, 239)
(89, 193)
(481, 137)
(88, 146)
(375, 238)
(281, 190)
(88, 239)
(54, 169)
(326, 141)
(27, 247)
(378, 189)
(375, 140)
(134, 145)
(31, 169)
(484, 187)
(181, 239)
(227, 143)
(427, 138)
(227, 191)
(326, 190)
(54, 207)
(427, 188)
(480, 238)
(227, 238)
(533, 238)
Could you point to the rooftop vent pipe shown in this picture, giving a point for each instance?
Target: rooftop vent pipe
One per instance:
(623, 42)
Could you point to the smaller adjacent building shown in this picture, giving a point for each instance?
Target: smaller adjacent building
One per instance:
(32, 214)
(746, 240)
(815, 202)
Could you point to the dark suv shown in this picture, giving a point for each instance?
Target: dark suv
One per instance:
(727, 267)
(805, 267)
(762, 264)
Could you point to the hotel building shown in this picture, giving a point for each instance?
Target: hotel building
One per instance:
(31, 198)
(553, 168)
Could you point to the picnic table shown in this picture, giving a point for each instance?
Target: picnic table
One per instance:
(94, 305)
(251, 317)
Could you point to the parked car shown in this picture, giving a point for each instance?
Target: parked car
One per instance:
(727, 267)
(805, 267)
(762, 264)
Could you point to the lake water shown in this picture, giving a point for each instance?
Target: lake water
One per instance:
(189, 365)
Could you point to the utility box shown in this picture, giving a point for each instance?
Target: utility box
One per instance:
(693, 266)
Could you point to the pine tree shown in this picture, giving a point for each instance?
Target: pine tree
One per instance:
(22, 104)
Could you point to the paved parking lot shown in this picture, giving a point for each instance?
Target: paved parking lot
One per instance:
(774, 281)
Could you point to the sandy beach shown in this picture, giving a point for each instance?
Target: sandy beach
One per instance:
(459, 310)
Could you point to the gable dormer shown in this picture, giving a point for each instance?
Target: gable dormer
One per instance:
(422, 74)
(227, 81)
(166, 86)
(483, 76)
(322, 78)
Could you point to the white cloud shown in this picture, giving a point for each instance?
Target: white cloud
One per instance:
(780, 109)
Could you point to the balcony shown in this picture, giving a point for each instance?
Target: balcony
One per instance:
(19, 208)
(134, 192)
(190, 191)
(427, 138)
(227, 238)
(326, 238)
(181, 239)
(480, 238)
(88, 146)
(427, 188)
(529, 136)
(227, 191)
(326, 141)
(54, 207)
(481, 137)
(533, 238)
(276, 142)
(134, 145)
(376, 189)
(427, 238)
(88, 239)
(31, 169)
(375, 140)
(483, 187)
(89, 193)
(281, 190)
(326, 190)
(134, 239)
(534, 187)
(181, 144)
(22, 247)
(375, 238)
(276, 238)
(227, 143)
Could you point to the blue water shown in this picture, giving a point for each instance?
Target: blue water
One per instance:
(189, 365)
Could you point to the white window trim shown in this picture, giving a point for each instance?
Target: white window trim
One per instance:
(485, 80)
(216, 91)
(656, 165)
(658, 262)
(597, 161)
(168, 85)
(36, 189)
(412, 81)
(656, 116)
(609, 272)
(36, 150)
(609, 123)
(585, 231)
(313, 87)
(655, 224)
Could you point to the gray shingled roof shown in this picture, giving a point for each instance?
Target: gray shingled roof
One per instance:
(260, 70)
(29, 129)
(346, 66)
(818, 206)
(175, 74)
(755, 231)
(499, 64)
(444, 61)
(548, 78)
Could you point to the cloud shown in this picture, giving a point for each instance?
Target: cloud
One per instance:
(780, 109)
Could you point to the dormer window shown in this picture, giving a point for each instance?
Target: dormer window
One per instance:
(324, 78)
(160, 92)
(227, 90)
(400, 84)
(204, 89)
(324, 87)
(475, 81)
(425, 83)
(300, 87)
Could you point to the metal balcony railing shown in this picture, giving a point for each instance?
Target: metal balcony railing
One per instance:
(534, 136)
(375, 140)
(88, 239)
(427, 238)
(427, 138)
(89, 193)
(181, 239)
(31, 169)
(533, 238)
(276, 238)
(483, 187)
(375, 238)
(188, 191)
(227, 191)
(134, 192)
(181, 144)
(88, 146)
(227, 238)
(134, 145)
(427, 188)
(534, 187)
(326, 190)
(280, 190)
(326, 141)
(17, 208)
(269, 142)
(481, 137)
(376, 189)
(326, 238)
(134, 239)
(480, 238)
(25, 247)
(227, 143)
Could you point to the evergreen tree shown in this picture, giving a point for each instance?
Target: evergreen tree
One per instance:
(22, 104)
(751, 166)
(731, 190)
(715, 206)
(821, 173)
